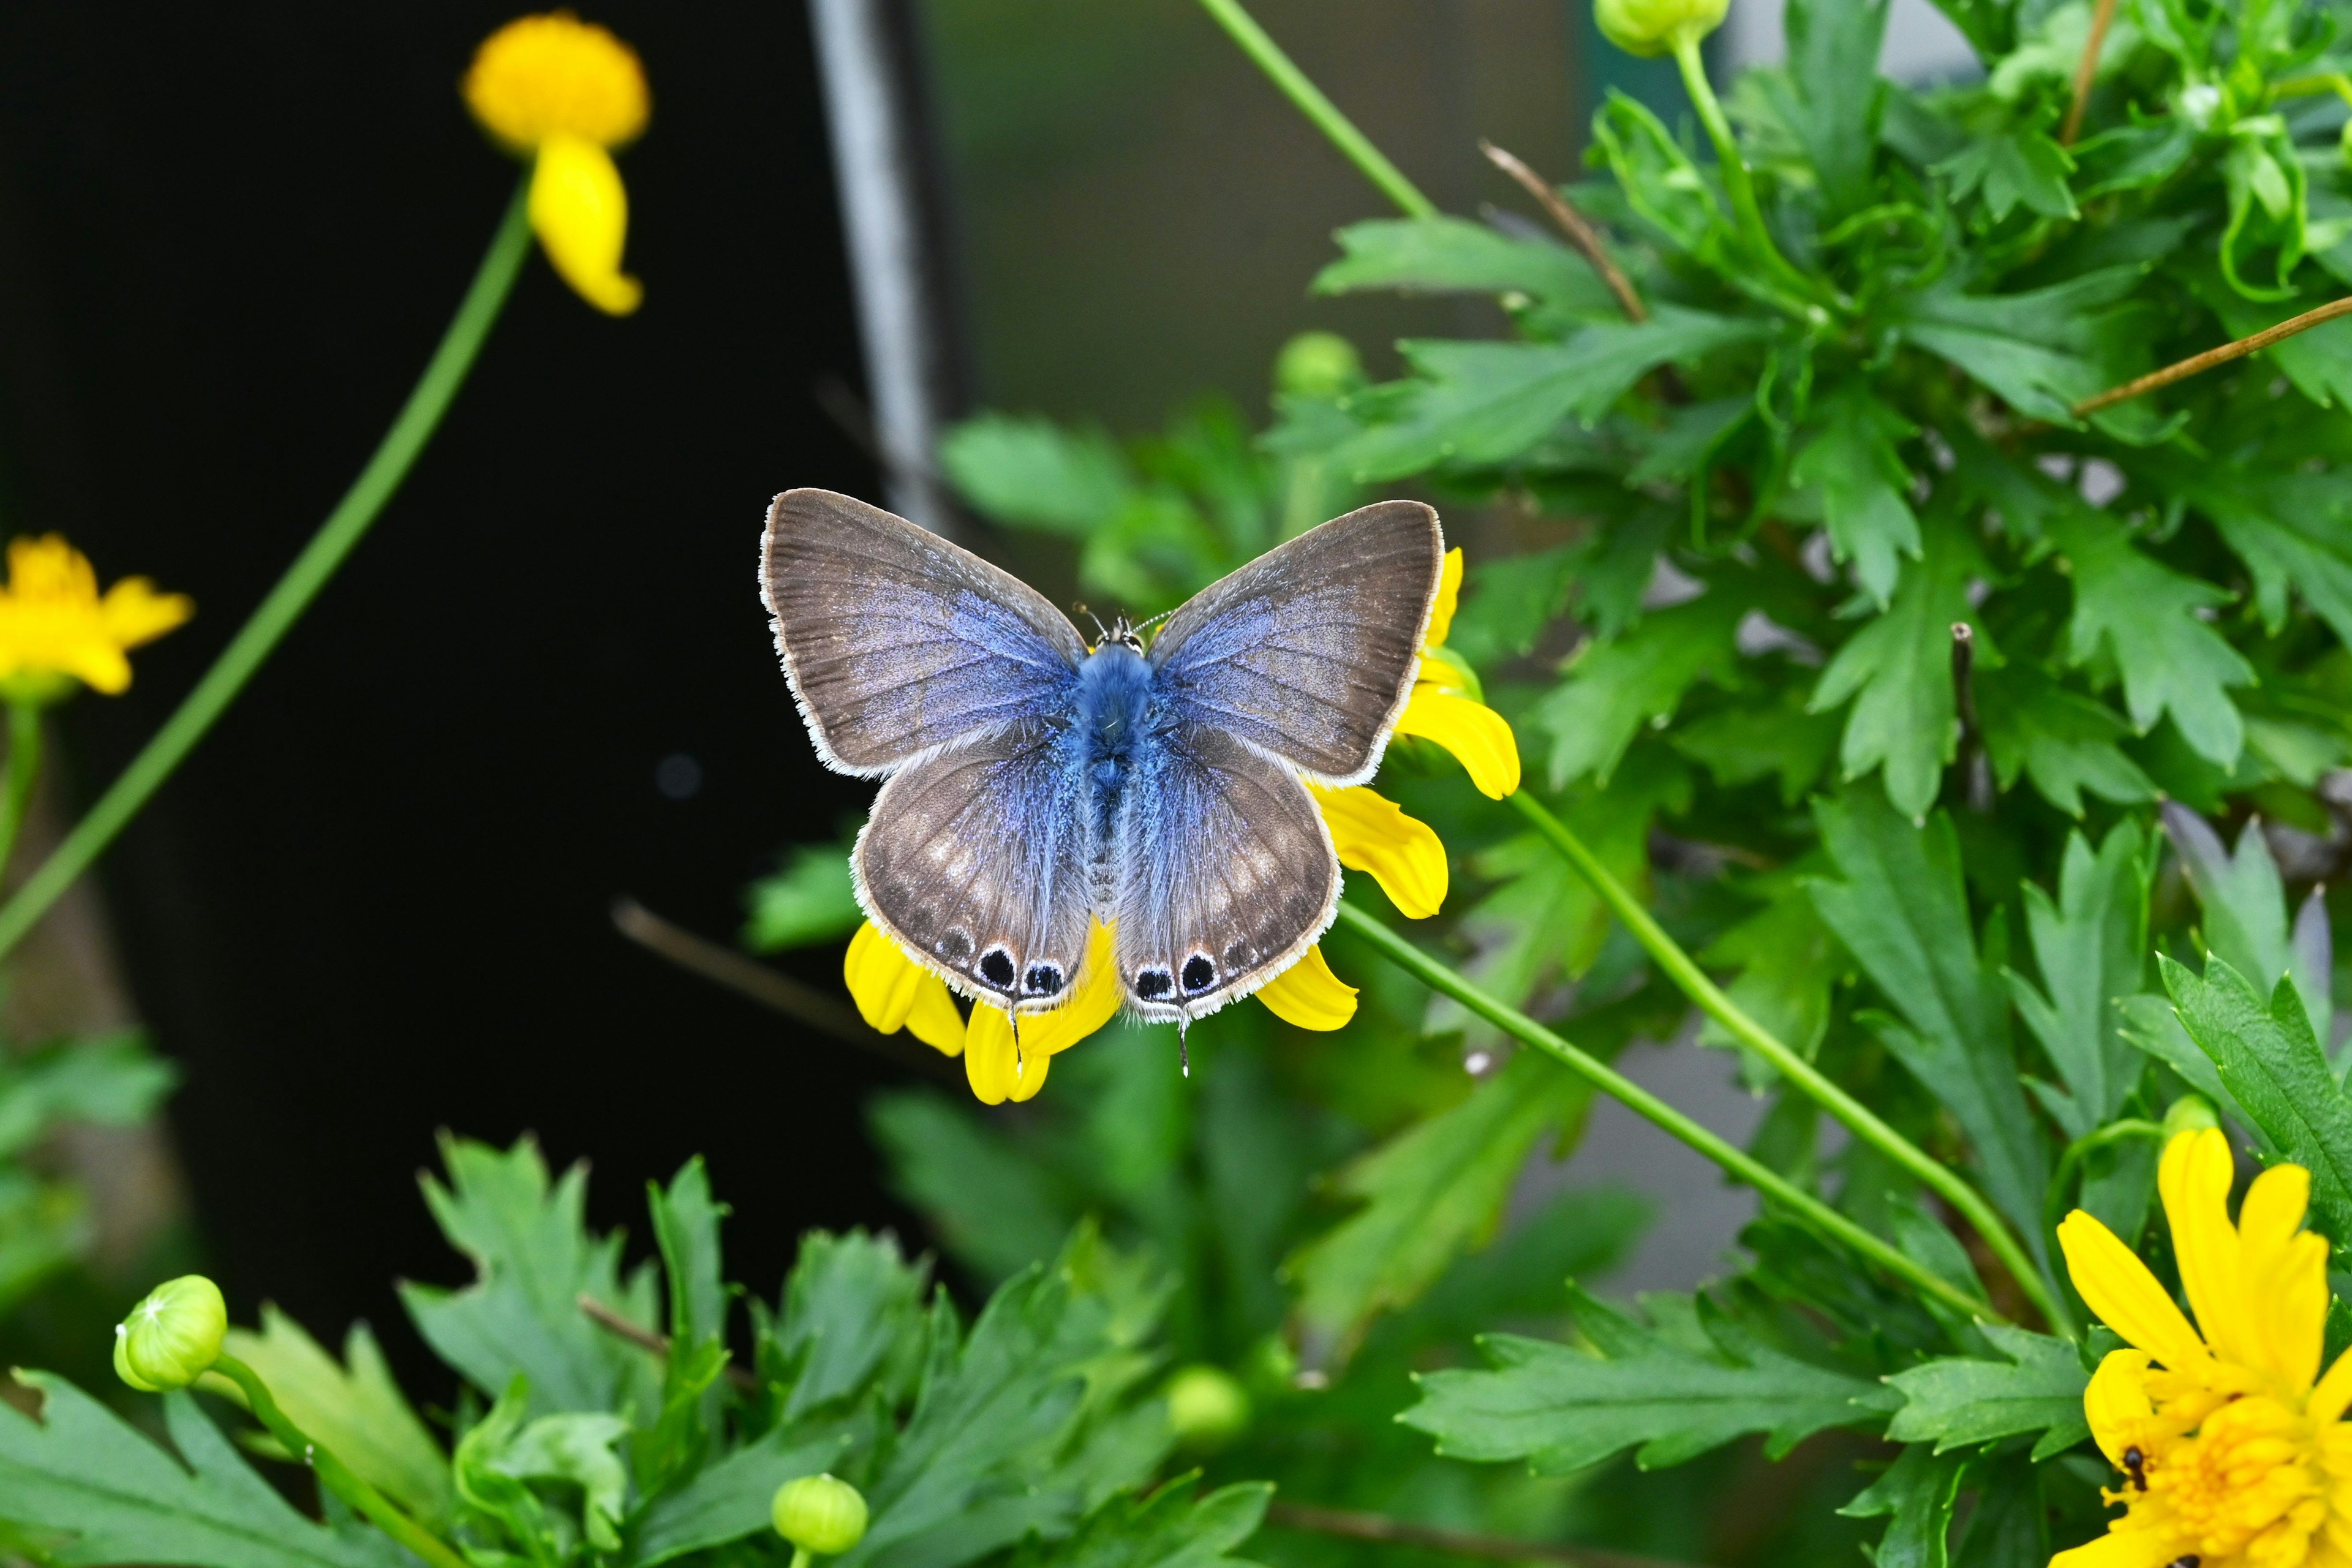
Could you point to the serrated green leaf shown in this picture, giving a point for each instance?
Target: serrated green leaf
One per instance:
(1442, 255)
(352, 1406)
(2091, 947)
(1898, 671)
(1783, 740)
(997, 1212)
(808, 900)
(1509, 602)
(1787, 964)
(2290, 533)
(1961, 1401)
(852, 1307)
(2014, 167)
(1864, 487)
(1837, 95)
(108, 1080)
(2142, 614)
(1034, 473)
(2063, 740)
(730, 1498)
(1615, 689)
(1902, 910)
(1919, 1490)
(2042, 351)
(2244, 904)
(1430, 1193)
(1561, 1407)
(89, 1489)
(1168, 1528)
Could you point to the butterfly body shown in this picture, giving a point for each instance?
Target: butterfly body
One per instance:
(1034, 786)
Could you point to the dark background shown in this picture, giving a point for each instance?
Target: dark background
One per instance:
(373, 903)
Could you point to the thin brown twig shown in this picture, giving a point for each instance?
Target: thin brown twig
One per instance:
(1404, 1532)
(619, 1327)
(2101, 15)
(795, 999)
(2191, 366)
(1585, 238)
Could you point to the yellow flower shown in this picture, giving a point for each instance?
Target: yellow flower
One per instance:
(1445, 705)
(1402, 853)
(2233, 1450)
(54, 627)
(893, 993)
(563, 92)
(1307, 994)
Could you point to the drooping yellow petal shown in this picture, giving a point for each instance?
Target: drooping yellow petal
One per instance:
(998, 1067)
(1403, 854)
(1449, 593)
(2282, 1277)
(1476, 735)
(2117, 1403)
(2194, 1178)
(1093, 1002)
(933, 1019)
(133, 612)
(890, 989)
(54, 625)
(2124, 1295)
(1307, 995)
(554, 74)
(580, 211)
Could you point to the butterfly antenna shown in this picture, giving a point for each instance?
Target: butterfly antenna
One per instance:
(1149, 622)
(1102, 633)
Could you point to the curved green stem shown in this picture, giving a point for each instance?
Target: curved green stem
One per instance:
(336, 1476)
(2090, 1143)
(1352, 143)
(270, 623)
(1738, 183)
(24, 766)
(1864, 1123)
(1641, 1102)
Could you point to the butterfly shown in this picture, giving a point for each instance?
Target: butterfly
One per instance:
(1035, 784)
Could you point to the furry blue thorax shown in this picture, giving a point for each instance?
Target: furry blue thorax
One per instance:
(1116, 707)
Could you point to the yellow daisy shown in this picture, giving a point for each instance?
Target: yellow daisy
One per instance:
(2232, 1450)
(562, 93)
(55, 628)
(1444, 707)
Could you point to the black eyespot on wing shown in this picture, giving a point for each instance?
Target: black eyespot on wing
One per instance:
(996, 967)
(1042, 979)
(1152, 983)
(955, 946)
(1199, 973)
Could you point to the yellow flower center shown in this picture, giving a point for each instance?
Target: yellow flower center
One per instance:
(2247, 1487)
(542, 76)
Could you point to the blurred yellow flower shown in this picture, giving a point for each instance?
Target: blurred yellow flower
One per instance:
(563, 92)
(1307, 994)
(2233, 1449)
(1444, 706)
(55, 628)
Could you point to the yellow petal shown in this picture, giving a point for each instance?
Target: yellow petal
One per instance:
(2122, 1549)
(2282, 1276)
(1309, 995)
(1403, 854)
(554, 74)
(891, 988)
(2194, 1178)
(133, 613)
(1449, 593)
(1476, 735)
(997, 1067)
(2334, 1394)
(581, 213)
(2117, 1403)
(48, 568)
(1093, 1002)
(933, 1018)
(100, 665)
(2124, 1295)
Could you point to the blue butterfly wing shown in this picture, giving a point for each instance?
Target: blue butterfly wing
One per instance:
(895, 641)
(1308, 652)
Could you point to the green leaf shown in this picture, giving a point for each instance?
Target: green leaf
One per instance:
(2244, 904)
(1740, 745)
(1787, 964)
(534, 1258)
(853, 1308)
(2042, 351)
(2143, 615)
(1903, 912)
(2090, 946)
(1168, 1528)
(2290, 533)
(2061, 740)
(2269, 1061)
(1898, 670)
(1430, 1193)
(1561, 1407)
(728, 1499)
(87, 1487)
(1864, 487)
(685, 1228)
(1510, 602)
(2020, 166)
(1919, 1490)
(1445, 254)
(997, 1211)
(1615, 689)
(1480, 403)
(1034, 473)
(1962, 1401)
(807, 903)
(351, 1406)
(1838, 93)
(109, 1080)
(576, 1449)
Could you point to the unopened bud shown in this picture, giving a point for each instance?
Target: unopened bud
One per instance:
(1648, 28)
(1317, 364)
(173, 1337)
(2189, 1113)
(819, 1514)
(1206, 1408)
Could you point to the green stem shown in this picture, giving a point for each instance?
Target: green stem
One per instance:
(1737, 183)
(1684, 971)
(334, 1474)
(261, 633)
(800, 1557)
(24, 766)
(1641, 1102)
(2090, 1143)
(1267, 56)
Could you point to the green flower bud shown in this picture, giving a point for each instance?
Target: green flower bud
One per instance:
(2189, 1113)
(173, 1337)
(1317, 364)
(1206, 1408)
(819, 1514)
(1648, 28)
